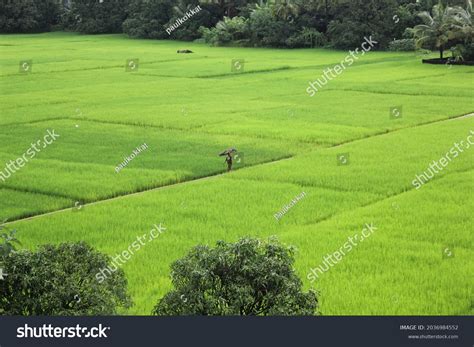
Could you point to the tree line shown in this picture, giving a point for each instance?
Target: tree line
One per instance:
(339, 24)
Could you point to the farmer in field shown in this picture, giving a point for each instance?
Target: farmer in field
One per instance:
(228, 160)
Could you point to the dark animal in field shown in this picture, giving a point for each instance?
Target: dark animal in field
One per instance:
(184, 51)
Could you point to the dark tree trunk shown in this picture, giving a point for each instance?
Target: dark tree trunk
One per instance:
(441, 50)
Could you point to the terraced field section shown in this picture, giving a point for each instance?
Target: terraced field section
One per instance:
(187, 108)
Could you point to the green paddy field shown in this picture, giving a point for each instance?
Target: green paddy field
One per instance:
(189, 107)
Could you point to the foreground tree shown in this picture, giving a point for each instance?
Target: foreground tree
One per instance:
(60, 280)
(248, 277)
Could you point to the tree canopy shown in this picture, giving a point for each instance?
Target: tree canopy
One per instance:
(248, 277)
(28, 16)
(342, 24)
(60, 280)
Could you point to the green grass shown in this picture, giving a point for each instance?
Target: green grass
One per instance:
(87, 156)
(187, 108)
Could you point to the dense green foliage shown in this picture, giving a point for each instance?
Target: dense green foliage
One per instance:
(148, 19)
(290, 23)
(265, 26)
(362, 18)
(60, 280)
(95, 17)
(227, 31)
(28, 15)
(248, 277)
(300, 24)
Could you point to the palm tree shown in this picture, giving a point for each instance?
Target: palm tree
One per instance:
(286, 9)
(312, 36)
(462, 27)
(230, 7)
(469, 6)
(180, 8)
(437, 28)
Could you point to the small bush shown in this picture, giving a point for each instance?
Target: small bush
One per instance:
(466, 52)
(226, 31)
(268, 30)
(402, 45)
(308, 37)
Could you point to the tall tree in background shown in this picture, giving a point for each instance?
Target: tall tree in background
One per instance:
(28, 16)
(363, 18)
(286, 9)
(190, 29)
(94, 17)
(230, 8)
(148, 19)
